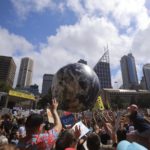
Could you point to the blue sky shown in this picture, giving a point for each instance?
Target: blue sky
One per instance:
(36, 26)
(54, 33)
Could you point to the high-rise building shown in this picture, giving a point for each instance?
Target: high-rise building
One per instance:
(82, 61)
(129, 73)
(34, 89)
(102, 69)
(146, 72)
(47, 82)
(25, 72)
(7, 70)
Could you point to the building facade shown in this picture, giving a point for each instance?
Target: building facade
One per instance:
(47, 82)
(129, 73)
(146, 72)
(102, 69)
(25, 72)
(7, 70)
(34, 89)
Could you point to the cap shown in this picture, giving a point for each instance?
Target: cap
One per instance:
(125, 145)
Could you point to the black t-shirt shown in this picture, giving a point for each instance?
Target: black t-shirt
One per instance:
(7, 125)
(121, 135)
(139, 122)
(104, 138)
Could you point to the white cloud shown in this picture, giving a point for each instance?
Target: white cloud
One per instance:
(117, 79)
(141, 46)
(86, 39)
(24, 7)
(124, 13)
(11, 43)
(99, 24)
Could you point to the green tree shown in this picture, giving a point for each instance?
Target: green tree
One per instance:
(4, 87)
(43, 102)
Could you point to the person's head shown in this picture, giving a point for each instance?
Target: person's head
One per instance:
(132, 108)
(8, 147)
(93, 141)
(34, 123)
(21, 121)
(66, 139)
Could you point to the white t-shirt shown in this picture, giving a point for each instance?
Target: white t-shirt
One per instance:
(22, 131)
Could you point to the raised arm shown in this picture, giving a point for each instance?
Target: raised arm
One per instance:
(57, 122)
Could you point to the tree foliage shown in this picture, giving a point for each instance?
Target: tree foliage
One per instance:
(4, 87)
(45, 100)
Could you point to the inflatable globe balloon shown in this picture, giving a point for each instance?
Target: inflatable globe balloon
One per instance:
(75, 87)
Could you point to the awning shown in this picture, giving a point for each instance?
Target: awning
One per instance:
(21, 95)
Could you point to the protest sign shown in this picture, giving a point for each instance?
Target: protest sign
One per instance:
(68, 120)
(83, 128)
(99, 104)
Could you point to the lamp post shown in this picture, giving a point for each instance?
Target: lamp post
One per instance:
(116, 83)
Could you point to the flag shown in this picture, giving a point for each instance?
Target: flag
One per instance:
(108, 105)
(99, 104)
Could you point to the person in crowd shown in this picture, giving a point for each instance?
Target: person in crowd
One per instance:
(14, 137)
(94, 143)
(142, 126)
(7, 124)
(21, 129)
(37, 140)
(8, 147)
(97, 129)
(105, 137)
(68, 139)
(121, 132)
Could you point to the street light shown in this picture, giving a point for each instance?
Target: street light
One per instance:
(116, 82)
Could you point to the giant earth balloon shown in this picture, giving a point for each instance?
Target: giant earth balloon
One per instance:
(76, 87)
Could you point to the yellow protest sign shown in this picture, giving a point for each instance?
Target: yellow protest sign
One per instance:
(21, 94)
(99, 104)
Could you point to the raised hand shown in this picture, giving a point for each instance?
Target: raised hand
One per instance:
(54, 104)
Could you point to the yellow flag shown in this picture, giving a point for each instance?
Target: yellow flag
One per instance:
(108, 105)
(99, 104)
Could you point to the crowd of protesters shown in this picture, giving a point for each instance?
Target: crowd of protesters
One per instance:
(107, 131)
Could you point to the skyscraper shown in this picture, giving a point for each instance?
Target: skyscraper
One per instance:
(25, 72)
(7, 70)
(47, 82)
(129, 73)
(102, 69)
(146, 72)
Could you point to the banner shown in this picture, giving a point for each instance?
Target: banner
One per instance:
(68, 120)
(99, 104)
(21, 94)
